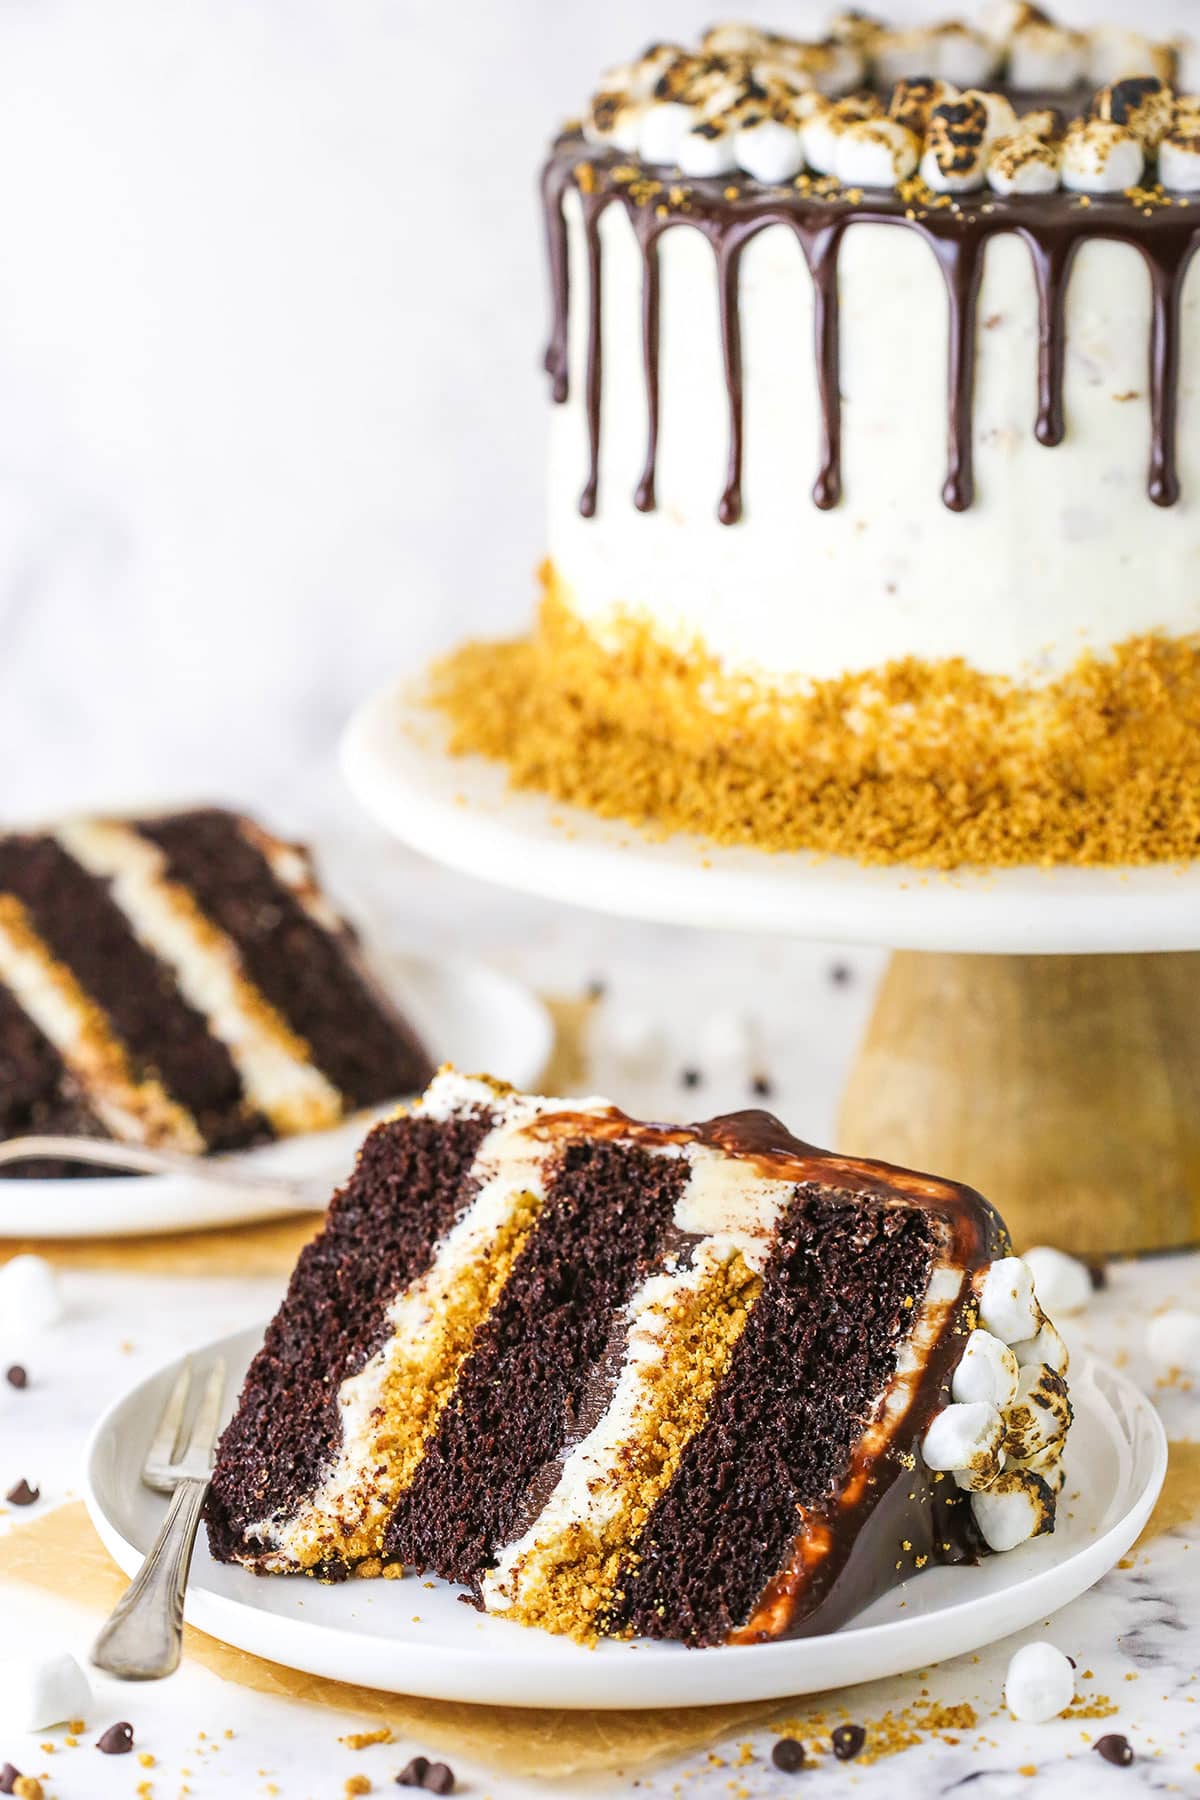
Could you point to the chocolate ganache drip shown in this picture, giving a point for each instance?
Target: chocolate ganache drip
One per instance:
(1052, 226)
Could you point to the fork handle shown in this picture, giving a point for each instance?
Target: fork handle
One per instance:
(143, 1639)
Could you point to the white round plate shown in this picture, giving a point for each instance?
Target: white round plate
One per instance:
(464, 1013)
(460, 811)
(408, 1638)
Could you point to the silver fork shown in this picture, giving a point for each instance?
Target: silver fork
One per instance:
(143, 1639)
(304, 1192)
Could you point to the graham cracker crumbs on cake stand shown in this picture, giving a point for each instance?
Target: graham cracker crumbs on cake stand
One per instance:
(928, 763)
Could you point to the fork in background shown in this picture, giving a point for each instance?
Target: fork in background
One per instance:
(301, 1192)
(143, 1638)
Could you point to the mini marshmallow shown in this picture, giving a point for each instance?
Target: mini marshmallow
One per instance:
(955, 159)
(1173, 1340)
(1047, 57)
(1062, 1282)
(1042, 124)
(912, 102)
(838, 68)
(614, 121)
(964, 1436)
(1101, 158)
(639, 79)
(1002, 19)
(1045, 1347)
(1001, 117)
(734, 39)
(30, 1296)
(1187, 64)
(975, 1481)
(1179, 160)
(37, 1692)
(904, 55)
(1007, 1307)
(876, 153)
(964, 56)
(987, 1370)
(769, 150)
(634, 1039)
(1046, 1462)
(1016, 1507)
(1040, 1684)
(1143, 104)
(707, 150)
(825, 125)
(1040, 1413)
(1114, 54)
(662, 129)
(1023, 164)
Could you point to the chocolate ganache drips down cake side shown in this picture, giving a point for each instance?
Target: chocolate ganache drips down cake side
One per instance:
(874, 502)
(699, 1382)
(183, 981)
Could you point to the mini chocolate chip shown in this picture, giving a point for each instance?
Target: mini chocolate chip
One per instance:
(596, 989)
(847, 1741)
(788, 1755)
(439, 1779)
(690, 1078)
(1115, 1749)
(9, 1778)
(841, 974)
(413, 1774)
(117, 1739)
(762, 1086)
(23, 1494)
(18, 1378)
(1098, 1272)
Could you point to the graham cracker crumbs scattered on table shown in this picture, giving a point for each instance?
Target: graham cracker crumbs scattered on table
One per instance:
(931, 763)
(28, 1787)
(888, 1735)
(360, 1740)
(356, 1784)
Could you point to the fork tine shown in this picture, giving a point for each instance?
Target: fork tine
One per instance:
(170, 1425)
(208, 1413)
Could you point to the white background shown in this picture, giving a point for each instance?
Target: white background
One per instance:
(271, 311)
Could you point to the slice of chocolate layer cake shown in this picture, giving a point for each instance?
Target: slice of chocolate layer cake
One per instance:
(183, 981)
(699, 1382)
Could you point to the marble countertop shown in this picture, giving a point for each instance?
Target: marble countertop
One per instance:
(732, 1009)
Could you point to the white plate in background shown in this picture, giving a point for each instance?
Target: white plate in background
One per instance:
(464, 1012)
(412, 1638)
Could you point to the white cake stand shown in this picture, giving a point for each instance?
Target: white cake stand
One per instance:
(1027, 1049)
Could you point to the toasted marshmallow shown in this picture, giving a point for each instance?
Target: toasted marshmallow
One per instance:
(824, 126)
(965, 1436)
(1023, 164)
(613, 122)
(1179, 159)
(37, 1692)
(30, 1296)
(1044, 1347)
(987, 1370)
(912, 102)
(906, 55)
(769, 150)
(1046, 1462)
(838, 68)
(1101, 158)
(876, 153)
(662, 129)
(1114, 54)
(1002, 19)
(1143, 104)
(707, 149)
(1173, 1340)
(956, 147)
(1016, 1507)
(1062, 1282)
(1040, 1414)
(734, 39)
(1044, 123)
(964, 56)
(1047, 57)
(640, 78)
(1040, 1684)
(1001, 117)
(1007, 1307)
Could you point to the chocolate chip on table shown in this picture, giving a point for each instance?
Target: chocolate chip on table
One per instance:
(9, 1778)
(117, 1739)
(1098, 1275)
(413, 1773)
(23, 1494)
(841, 974)
(788, 1755)
(847, 1741)
(16, 1377)
(761, 1085)
(1115, 1749)
(439, 1779)
(690, 1078)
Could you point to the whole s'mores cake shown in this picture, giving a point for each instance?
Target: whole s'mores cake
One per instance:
(183, 981)
(697, 1382)
(874, 497)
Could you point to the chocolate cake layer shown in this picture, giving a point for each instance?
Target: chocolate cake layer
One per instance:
(164, 1036)
(306, 971)
(412, 1181)
(606, 1211)
(37, 1093)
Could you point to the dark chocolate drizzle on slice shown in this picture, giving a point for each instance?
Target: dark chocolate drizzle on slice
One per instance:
(1053, 227)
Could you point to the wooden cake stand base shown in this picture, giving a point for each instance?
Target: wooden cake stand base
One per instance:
(1066, 1088)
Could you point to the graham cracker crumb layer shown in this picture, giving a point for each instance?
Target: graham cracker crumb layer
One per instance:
(927, 763)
